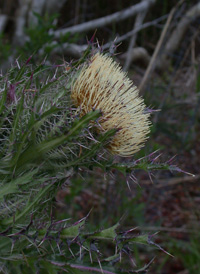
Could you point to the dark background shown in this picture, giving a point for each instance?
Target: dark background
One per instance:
(171, 203)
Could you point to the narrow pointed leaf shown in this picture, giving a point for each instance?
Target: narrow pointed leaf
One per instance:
(3, 99)
(35, 152)
(109, 233)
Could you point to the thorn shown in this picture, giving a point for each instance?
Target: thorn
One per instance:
(18, 65)
(100, 265)
(59, 248)
(91, 41)
(153, 160)
(90, 257)
(28, 60)
(171, 159)
(12, 247)
(71, 252)
(150, 177)
(80, 252)
(127, 182)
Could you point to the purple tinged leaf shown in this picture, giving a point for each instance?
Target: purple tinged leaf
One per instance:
(28, 60)
(128, 231)
(5, 232)
(91, 41)
(11, 96)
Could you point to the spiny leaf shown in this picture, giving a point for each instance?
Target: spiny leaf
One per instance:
(141, 239)
(128, 167)
(73, 230)
(113, 258)
(8, 189)
(12, 187)
(3, 99)
(41, 68)
(20, 73)
(35, 152)
(90, 268)
(83, 58)
(85, 158)
(16, 118)
(28, 208)
(108, 233)
(32, 124)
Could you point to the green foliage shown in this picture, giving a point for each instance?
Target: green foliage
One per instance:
(189, 253)
(39, 35)
(43, 142)
(39, 40)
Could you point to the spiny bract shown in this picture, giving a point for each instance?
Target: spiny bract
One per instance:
(103, 85)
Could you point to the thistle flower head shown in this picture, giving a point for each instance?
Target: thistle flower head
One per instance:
(103, 85)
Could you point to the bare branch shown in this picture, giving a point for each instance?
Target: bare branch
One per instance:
(39, 6)
(178, 34)
(138, 21)
(132, 32)
(152, 63)
(137, 53)
(53, 6)
(103, 21)
(69, 49)
(76, 50)
(36, 6)
(20, 21)
(3, 21)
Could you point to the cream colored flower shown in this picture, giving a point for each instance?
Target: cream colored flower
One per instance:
(103, 85)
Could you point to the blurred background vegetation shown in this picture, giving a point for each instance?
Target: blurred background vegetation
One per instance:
(159, 47)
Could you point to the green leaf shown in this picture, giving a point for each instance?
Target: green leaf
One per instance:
(35, 152)
(128, 167)
(8, 189)
(41, 68)
(83, 58)
(28, 208)
(106, 234)
(88, 154)
(141, 239)
(3, 99)
(112, 258)
(16, 118)
(33, 124)
(20, 73)
(73, 230)
(5, 245)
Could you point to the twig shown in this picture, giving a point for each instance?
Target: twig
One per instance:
(20, 21)
(178, 33)
(151, 65)
(3, 21)
(138, 22)
(76, 50)
(103, 21)
(132, 32)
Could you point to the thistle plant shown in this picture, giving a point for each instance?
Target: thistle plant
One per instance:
(103, 85)
(52, 123)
